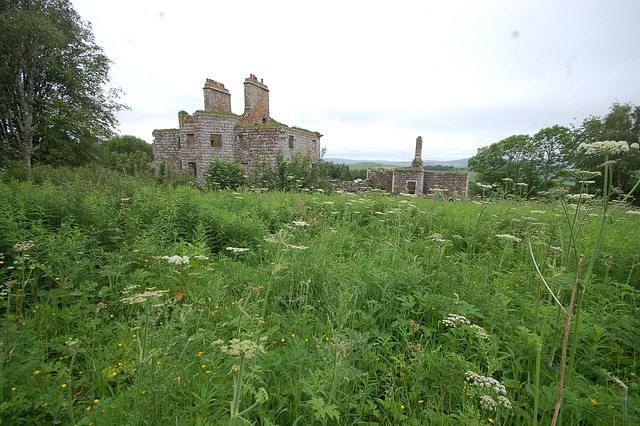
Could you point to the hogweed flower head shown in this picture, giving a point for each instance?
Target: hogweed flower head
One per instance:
(604, 147)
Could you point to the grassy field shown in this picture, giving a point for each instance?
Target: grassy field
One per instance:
(127, 302)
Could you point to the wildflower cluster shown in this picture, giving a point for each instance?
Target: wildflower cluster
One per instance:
(460, 321)
(176, 260)
(237, 347)
(454, 320)
(509, 237)
(24, 246)
(237, 249)
(606, 147)
(143, 297)
(488, 385)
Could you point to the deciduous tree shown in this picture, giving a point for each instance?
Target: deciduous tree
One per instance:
(54, 107)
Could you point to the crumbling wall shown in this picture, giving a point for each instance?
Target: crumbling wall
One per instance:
(166, 147)
(381, 177)
(420, 181)
(449, 182)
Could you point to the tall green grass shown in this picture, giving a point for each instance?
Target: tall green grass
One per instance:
(349, 296)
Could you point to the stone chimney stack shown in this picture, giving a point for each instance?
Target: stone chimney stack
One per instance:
(417, 162)
(216, 96)
(256, 101)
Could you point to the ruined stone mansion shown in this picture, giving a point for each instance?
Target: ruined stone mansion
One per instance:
(216, 132)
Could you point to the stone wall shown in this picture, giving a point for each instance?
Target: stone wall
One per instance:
(166, 147)
(420, 181)
(409, 181)
(382, 178)
(450, 182)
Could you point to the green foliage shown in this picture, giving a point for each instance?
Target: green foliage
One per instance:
(221, 174)
(128, 154)
(541, 161)
(352, 298)
(53, 107)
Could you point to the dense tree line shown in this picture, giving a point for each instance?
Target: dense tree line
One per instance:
(542, 161)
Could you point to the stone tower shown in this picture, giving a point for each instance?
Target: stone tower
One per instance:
(417, 161)
(256, 101)
(216, 97)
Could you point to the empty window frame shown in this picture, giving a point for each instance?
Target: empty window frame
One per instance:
(193, 169)
(191, 140)
(216, 140)
(291, 140)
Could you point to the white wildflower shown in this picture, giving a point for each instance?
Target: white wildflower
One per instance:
(604, 147)
(480, 332)
(454, 320)
(297, 247)
(487, 403)
(143, 297)
(509, 237)
(504, 401)
(300, 223)
(237, 249)
(176, 260)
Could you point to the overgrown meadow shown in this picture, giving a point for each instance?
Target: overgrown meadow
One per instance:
(128, 302)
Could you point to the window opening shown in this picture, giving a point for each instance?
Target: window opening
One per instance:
(193, 169)
(216, 141)
(291, 139)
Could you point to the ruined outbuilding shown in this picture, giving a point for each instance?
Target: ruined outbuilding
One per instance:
(216, 132)
(418, 181)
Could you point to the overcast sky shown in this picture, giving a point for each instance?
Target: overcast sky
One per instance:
(371, 76)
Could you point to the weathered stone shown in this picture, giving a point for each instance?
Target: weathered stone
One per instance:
(419, 181)
(218, 133)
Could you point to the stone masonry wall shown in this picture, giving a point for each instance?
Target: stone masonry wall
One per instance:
(166, 147)
(382, 178)
(401, 179)
(303, 141)
(450, 182)
(396, 181)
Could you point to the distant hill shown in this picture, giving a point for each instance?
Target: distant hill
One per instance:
(368, 164)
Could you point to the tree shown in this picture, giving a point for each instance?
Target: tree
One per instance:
(551, 144)
(53, 105)
(128, 154)
(511, 158)
(622, 123)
